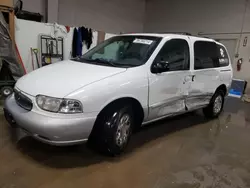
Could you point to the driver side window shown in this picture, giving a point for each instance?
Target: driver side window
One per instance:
(176, 54)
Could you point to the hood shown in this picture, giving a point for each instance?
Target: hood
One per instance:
(60, 79)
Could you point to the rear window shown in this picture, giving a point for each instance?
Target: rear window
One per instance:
(223, 56)
(209, 55)
(206, 55)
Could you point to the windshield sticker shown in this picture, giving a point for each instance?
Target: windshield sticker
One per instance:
(222, 53)
(223, 60)
(143, 41)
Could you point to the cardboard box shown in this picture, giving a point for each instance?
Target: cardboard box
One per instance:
(8, 3)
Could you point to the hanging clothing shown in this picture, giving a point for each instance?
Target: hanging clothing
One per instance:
(84, 34)
(87, 36)
(79, 43)
(74, 43)
(90, 38)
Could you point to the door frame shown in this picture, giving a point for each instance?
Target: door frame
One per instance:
(204, 97)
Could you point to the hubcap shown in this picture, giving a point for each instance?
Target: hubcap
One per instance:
(217, 104)
(123, 130)
(6, 92)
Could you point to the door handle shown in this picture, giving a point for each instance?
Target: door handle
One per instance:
(193, 76)
(189, 79)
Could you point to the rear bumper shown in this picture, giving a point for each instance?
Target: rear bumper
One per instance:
(54, 129)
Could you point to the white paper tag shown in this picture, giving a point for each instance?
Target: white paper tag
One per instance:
(143, 41)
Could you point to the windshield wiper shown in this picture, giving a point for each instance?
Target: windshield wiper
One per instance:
(104, 61)
(100, 61)
(128, 65)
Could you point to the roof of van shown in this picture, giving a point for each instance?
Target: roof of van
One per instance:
(163, 35)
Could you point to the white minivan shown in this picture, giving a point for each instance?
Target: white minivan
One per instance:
(123, 83)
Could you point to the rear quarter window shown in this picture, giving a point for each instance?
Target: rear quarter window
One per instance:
(223, 56)
(205, 54)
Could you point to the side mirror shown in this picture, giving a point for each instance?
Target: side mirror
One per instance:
(159, 67)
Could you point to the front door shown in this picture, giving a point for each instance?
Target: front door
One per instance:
(168, 90)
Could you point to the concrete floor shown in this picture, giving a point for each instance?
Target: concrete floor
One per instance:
(182, 152)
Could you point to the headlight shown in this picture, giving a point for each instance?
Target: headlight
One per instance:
(70, 106)
(58, 105)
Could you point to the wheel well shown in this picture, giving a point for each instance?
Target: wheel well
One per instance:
(136, 105)
(222, 88)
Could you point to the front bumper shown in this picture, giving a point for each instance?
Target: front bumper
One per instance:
(50, 128)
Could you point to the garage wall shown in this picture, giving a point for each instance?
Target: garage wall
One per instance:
(216, 19)
(195, 15)
(52, 11)
(113, 16)
(37, 6)
(22, 30)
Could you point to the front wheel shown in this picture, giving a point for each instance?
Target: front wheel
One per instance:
(114, 129)
(215, 107)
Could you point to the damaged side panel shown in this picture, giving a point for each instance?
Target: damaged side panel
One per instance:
(168, 107)
(202, 89)
(167, 94)
(196, 101)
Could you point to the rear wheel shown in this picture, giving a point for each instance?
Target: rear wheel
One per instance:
(215, 107)
(113, 129)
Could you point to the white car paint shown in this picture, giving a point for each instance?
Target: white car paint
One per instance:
(166, 90)
(131, 83)
(62, 78)
(96, 86)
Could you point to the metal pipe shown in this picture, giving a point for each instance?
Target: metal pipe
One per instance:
(242, 26)
(46, 8)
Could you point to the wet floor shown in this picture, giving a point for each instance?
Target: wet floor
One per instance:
(187, 151)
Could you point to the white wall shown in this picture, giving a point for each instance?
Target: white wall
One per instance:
(25, 39)
(112, 16)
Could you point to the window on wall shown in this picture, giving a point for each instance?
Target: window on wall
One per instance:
(176, 54)
(206, 55)
(223, 56)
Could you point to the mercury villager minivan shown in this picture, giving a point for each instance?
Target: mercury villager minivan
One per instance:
(125, 82)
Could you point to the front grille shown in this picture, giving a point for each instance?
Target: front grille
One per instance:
(23, 101)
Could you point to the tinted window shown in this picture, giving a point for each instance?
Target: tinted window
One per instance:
(223, 56)
(205, 54)
(176, 53)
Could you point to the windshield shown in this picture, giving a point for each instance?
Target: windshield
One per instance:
(122, 51)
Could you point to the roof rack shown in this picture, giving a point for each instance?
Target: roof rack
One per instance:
(186, 33)
(180, 33)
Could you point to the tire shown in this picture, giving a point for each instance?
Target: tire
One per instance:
(6, 91)
(113, 129)
(215, 107)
